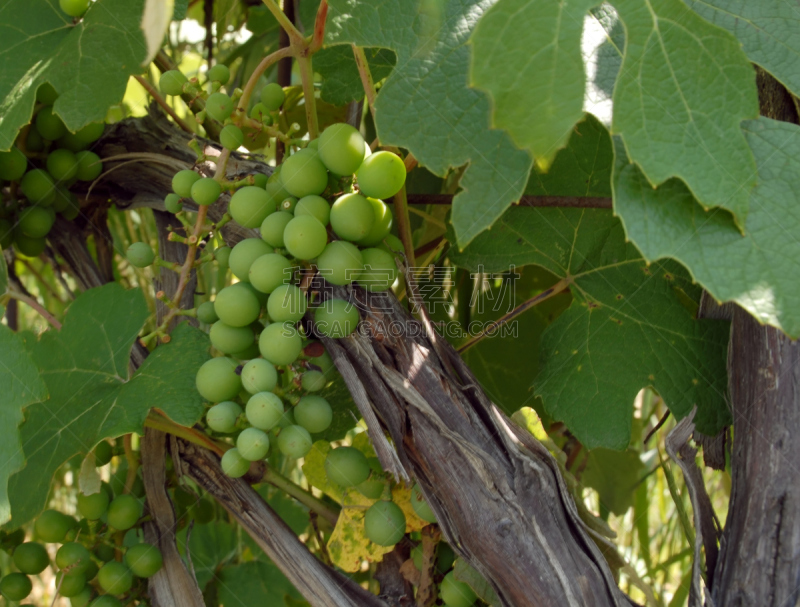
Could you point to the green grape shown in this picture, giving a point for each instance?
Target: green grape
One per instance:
(219, 73)
(89, 166)
(324, 362)
(288, 204)
(30, 247)
(203, 511)
(90, 133)
(233, 464)
(105, 553)
(123, 512)
(244, 254)
(82, 598)
(261, 113)
(259, 375)
(115, 578)
(31, 558)
(280, 343)
(46, 94)
(106, 600)
(313, 381)
(62, 165)
(52, 526)
(336, 318)
(231, 137)
(183, 181)
(264, 410)
(316, 206)
(172, 203)
(340, 263)
(217, 380)
(247, 354)
(352, 217)
(303, 174)
(384, 523)
(206, 313)
(250, 205)
(229, 339)
(272, 96)
(260, 180)
(275, 187)
(171, 82)
(420, 506)
(15, 586)
(270, 271)
(49, 125)
(35, 143)
(75, 556)
(64, 200)
(305, 237)
(144, 560)
(140, 254)
(381, 227)
(313, 144)
(222, 417)
(74, 8)
(455, 593)
(381, 175)
(261, 297)
(379, 271)
(287, 419)
(12, 164)
(313, 413)
(35, 222)
(219, 106)
(273, 227)
(253, 444)
(237, 306)
(341, 149)
(223, 255)
(445, 557)
(93, 506)
(346, 466)
(6, 234)
(287, 303)
(372, 487)
(206, 191)
(38, 187)
(103, 453)
(294, 441)
(391, 244)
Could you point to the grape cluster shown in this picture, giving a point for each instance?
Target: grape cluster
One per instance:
(100, 560)
(37, 172)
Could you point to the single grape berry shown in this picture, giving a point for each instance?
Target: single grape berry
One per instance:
(206, 191)
(70, 583)
(233, 464)
(217, 380)
(36, 221)
(373, 487)
(316, 206)
(314, 413)
(250, 206)
(222, 417)
(219, 106)
(336, 318)
(206, 313)
(103, 453)
(12, 164)
(380, 270)
(89, 166)
(144, 560)
(124, 511)
(270, 271)
(171, 82)
(272, 96)
(31, 558)
(280, 343)
(52, 526)
(27, 246)
(244, 254)
(115, 578)
(352, 217)
(140, 254)
(183, 181)
(62, 165)
(391, 244)
(261, 113)
(223, 255)
(38, 187)
(384, 523)
(340, 263)
(313, 381)
(341, 149)
(253, 444)
(172, 203)
(288, 204)
(82, 598)
(75, 556)
(259, 375)
(237, 306)
(304, 174)
(93, 506)
(273, 227)
(305, 237)
(46, 94)
(49, 125)
(219, 73)
(264, 410)
(420, 506)
(381, 227)
(260, 180)
(455, 593)
(106, 600)
(74, 8)
(294, 441)
(275, 187)
(15, 586)
(231, 137)
(229, 339)
(346, 466)
(287, 303)
(381, 175)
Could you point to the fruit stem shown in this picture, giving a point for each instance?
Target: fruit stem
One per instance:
(276, 479)
(133, 463)
(14, 294)
(162, 102)
(366, 77)
(404, 225)
(247, 92)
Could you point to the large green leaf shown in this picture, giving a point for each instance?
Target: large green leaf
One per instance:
(341, 83)
(769, 31)
(88, 63)
(527, 55)
(628, 326)
(255, 583)
(758, 270)
(681, 94)
(426, 106)
(210, 547)
(85, 368)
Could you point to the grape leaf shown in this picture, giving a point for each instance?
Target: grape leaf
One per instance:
(345, 413)
(681, 94)
(426, 106)
(88, 63)
(464, 572)
(627, 326)
(3, 276)
(210, 546)
(527, 55)
(341, 83)
(85, 368)
(255, 583)
(757, 270)
(769, 31)
(614, 475)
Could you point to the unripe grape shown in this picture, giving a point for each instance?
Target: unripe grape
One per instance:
(219, 106)
(74, 8)
(93, 506)
(171, 82)
(314, 413)
(49, 125)
(336, 318)
(275, 188)
(373, 487)
(261, 113)
(6, 234)
(380, 270)
(381, 175)
(455, 593)
(140, 254)
(36, 221)
(288, 204)
(264, 410)
(287, 303)
(15, 586)
(303, 174)
(75, 556)
(103, 453)
(46, 94)
(62, 165)
(280, 343)
(249, 353)
(144, 560)
(384, 523)
(64, 200)
(340, 263)
(115, 578)
(316, 206)
(82, 598)
(294, 441)
(30, 247)
(346, 466)
(90, 133)
(233, 464)
(272, 96)
(89, 166)
(123, 512)
(206, 313)
(231, 137)
(172, 203)
(35, 143)
(270, 271)
(305, 237)
(381, 227)
(313, 381)
(219, 73)
(222, 417)
(12, 164)
(236, 306)
(183, 181)
(260, 180)
(217, 380)
(52, 526)
(223, 255)
(244, 254)
(273, 227)
(420, 506)
(250, 205)
(259, 375)
(341, 149)
(229, 339)
(206, 191)
(106, 600)
(352, 217)
(38, 187)
(31, 558)
(253, 444)
(391, 244)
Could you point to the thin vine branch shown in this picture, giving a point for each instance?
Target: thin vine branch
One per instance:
(262, 67)
(162, 102)
(13, 294)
